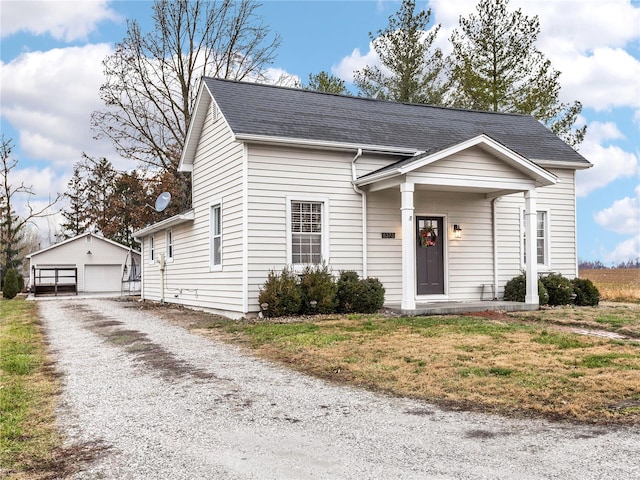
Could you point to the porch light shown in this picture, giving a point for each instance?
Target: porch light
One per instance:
(457, 231)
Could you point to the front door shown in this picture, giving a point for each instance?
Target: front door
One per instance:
(430, 238)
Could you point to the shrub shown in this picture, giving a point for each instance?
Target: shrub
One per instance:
(347, 290)
(20, 282)
(369, 297)
(516, 290)
(317, 284)
(586, 292)
(559, 288)
(281, 293)
(357, 295)
(10, 287)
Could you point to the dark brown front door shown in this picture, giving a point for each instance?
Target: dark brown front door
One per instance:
(430, 255)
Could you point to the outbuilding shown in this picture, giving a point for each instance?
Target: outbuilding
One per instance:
(87, 263)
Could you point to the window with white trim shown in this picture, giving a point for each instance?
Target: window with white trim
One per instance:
(215, 253)
(306, 229)
(542, 238)
(152, 251)
(169, 240)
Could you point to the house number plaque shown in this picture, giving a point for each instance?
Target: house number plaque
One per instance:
(388, 234)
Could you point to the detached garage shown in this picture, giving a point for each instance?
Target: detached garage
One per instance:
(88, 263)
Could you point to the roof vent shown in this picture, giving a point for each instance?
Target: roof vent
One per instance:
(214, 112)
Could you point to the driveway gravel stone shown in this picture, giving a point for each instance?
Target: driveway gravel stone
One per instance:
(163, 403)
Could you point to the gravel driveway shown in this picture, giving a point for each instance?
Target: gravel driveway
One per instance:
(167, 404)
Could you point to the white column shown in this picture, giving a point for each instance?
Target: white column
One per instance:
(530, 217)
(408, 248)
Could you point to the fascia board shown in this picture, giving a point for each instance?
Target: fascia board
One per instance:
(185, 217)
(186, 159)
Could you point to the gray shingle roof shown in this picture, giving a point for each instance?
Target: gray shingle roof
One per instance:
(271, 111)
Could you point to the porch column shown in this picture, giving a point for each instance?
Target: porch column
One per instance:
(530, 217)
(408, 248)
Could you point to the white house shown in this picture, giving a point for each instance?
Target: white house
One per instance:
(87, 263)
(290, 177)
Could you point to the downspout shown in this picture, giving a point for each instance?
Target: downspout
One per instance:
(495, 246)
(363, 195)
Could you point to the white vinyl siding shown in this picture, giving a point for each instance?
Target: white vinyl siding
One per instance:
(561, 255)
(276, 175)
(189, 279)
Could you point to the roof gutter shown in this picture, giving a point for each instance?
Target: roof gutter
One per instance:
(184, 217)
(323, 144)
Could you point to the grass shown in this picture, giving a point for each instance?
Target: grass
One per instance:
(527, 364)
(615, 284)
(28, 437)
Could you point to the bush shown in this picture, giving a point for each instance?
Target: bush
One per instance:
(586, 292)
(347, 290)
(10, 287)
(559, 288)
(281, 293)
(317, 284)
(516, 290)
(369, 296)
(357, 295)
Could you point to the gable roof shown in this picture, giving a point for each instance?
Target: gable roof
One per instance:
(266, 112)
(407, 165)
(99, 237)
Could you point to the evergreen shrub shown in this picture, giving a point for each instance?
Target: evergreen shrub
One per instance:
(281, 293)
(516, 290)
(10, 287)
(559, 288)
(317, 285)
(587, 293)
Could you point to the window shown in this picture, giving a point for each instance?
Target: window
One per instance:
(152, 252)
(215, 254)
(169, 240)
(307, 230)
(542, 235)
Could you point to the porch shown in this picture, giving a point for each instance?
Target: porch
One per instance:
(458, 308)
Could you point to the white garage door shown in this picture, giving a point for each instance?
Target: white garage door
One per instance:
(102, 278)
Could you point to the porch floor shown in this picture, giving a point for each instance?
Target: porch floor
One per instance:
(453, 308)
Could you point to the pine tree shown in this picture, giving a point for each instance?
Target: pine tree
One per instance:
(496, 66)
(327, 83)
(75, 215)
(411, 70)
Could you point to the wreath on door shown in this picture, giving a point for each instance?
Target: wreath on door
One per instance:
(428, 237)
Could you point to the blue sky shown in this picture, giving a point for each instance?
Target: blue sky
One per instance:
(51, 53)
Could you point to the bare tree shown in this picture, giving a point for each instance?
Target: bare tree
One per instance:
(151, 78)
(12, 226)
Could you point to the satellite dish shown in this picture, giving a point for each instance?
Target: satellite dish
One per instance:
(162, 201)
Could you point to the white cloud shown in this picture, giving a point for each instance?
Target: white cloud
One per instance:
(605, 79)
(48, 98)
(601, 132)
(587, 45)
(353, 62)
(622, 217)
(609, 164)
(68, 21)
(626, 250)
